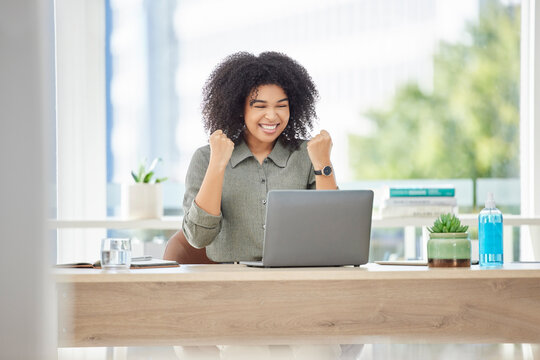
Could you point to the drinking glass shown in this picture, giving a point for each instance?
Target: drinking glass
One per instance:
(115, 253)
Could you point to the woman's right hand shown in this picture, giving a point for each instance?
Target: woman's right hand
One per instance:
(221, 148)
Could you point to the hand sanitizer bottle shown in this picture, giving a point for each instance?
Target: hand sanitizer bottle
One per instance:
(490, 234)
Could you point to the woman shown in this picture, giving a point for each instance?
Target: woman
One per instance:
(258, 110)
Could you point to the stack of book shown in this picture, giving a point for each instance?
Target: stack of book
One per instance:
(418, 201)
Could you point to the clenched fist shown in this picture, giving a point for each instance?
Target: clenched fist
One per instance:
(319, 149)
(221, 148)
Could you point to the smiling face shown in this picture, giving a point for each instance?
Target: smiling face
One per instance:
(266, 114)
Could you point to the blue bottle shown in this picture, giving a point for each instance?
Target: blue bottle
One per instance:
(490, 234)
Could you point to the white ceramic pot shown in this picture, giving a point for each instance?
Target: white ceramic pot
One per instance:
(142, 201)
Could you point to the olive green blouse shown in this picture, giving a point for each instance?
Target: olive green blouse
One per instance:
(237, 234)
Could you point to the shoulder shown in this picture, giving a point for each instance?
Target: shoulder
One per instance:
(200, 160)
(202, 153)
(198, 165)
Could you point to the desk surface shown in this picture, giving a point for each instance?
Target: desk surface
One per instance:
(225, 304)
(226, 272)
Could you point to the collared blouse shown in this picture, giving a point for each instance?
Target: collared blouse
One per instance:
(237, 233)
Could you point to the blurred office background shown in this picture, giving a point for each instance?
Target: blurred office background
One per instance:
(359, 53)
(412, 92)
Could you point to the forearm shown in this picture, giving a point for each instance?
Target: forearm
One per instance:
(319, 149)
(325, 182)
(201, 224)
(209, 196)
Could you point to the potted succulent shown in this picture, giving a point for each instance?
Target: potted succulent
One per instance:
(448, 244)
(144, 198)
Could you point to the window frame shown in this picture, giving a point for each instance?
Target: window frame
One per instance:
(530, 126)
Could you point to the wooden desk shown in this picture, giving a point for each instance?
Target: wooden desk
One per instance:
(233, 304)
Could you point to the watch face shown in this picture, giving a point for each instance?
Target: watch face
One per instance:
(327, 170)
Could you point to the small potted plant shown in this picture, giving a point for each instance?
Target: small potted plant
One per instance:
(448, 244)
(144, 199)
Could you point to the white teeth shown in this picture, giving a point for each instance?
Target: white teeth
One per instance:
(269, 127)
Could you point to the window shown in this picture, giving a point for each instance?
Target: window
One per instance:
(390, 73)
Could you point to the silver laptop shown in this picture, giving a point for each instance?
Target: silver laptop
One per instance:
(316, 228)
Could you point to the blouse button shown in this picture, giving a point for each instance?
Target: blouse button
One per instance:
(264, 201)
(263, 180)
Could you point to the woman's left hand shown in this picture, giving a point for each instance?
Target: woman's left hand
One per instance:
(319, 149)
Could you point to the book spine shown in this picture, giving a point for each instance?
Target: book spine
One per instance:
(394, 192)
(411, 211)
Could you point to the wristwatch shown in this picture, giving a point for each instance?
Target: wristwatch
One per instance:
(326, 171)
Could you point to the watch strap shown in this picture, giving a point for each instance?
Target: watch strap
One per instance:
(326, 171)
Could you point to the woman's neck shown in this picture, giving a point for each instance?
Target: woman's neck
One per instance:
(259, 149)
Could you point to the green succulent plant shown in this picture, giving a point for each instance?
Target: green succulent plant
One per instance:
(448, 223)
(145, 175)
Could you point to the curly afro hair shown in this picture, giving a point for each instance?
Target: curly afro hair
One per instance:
(236, 77)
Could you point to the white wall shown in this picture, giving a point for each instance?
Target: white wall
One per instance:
(26, 110)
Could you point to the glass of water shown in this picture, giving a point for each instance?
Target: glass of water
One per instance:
(115, 253)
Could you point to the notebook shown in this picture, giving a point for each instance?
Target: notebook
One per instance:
(135, 264)
(316, 228)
